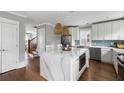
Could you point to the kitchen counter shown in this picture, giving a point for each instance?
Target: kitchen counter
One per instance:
(58, 64)
(119, 51)
(101, 47)
(113, 48)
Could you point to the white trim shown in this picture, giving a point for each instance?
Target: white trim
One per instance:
(21, 64)
(5, 20)
(44, 24)
(17, 14)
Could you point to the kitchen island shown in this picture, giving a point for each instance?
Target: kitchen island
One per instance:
(58, 65)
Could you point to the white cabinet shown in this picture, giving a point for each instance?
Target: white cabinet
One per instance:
(121, 29)
(98, 31)
(74, 31)
(85, 38)
(116, 30)
(108, 31)
(94, 33)
(101, 31)
(106, 55)
(113, 30)
(115, 61)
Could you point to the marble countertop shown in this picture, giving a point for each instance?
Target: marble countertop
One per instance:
(102, 47)
(73, 54)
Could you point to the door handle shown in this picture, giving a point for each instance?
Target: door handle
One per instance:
(4, 50)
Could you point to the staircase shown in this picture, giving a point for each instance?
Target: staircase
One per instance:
(32, 46)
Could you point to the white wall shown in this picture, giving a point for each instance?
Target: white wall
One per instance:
(21, 32)
(30, 29)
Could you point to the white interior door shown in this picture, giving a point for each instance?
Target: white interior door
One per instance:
(0, 48)
(9, 47)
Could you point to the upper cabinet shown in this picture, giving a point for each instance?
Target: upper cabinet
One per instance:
(108, 31)
(116, 30)
(113, 30)
(74, 31)
(101, 31)
(121, 29)
(94, 32)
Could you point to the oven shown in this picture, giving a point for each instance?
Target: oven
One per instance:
(82, 61)
(120, 58)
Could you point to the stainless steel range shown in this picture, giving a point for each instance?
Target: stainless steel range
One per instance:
(120, 58)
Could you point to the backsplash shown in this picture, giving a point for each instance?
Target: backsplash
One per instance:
(106, 42)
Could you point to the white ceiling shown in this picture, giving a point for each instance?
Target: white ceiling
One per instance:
(69, 17)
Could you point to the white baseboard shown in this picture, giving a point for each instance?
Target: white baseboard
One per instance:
(21, 64)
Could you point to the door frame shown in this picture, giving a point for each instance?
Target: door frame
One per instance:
(5, 20)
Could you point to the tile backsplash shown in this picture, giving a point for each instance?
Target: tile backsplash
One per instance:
(106, 42)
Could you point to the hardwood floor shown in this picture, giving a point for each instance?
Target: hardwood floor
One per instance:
(29, 73)
(96, 71)
(99, 72)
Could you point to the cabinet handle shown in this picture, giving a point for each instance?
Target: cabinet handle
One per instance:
(4, 50)
(120, 63)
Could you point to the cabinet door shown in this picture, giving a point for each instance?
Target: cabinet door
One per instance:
(0, 48)
(101, 30)
(121, 29)
(74, 31)
(94, 32)
(115, 30)
(106, 55)
(108, 31)
(76, 70)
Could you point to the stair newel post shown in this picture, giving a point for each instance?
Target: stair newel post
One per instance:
(29, 46)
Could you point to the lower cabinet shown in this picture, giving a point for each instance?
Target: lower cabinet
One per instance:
(106, 55)
(102, 54)
(115, 61)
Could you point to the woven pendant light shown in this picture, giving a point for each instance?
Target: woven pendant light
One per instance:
(58, 29)
(65, 30)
